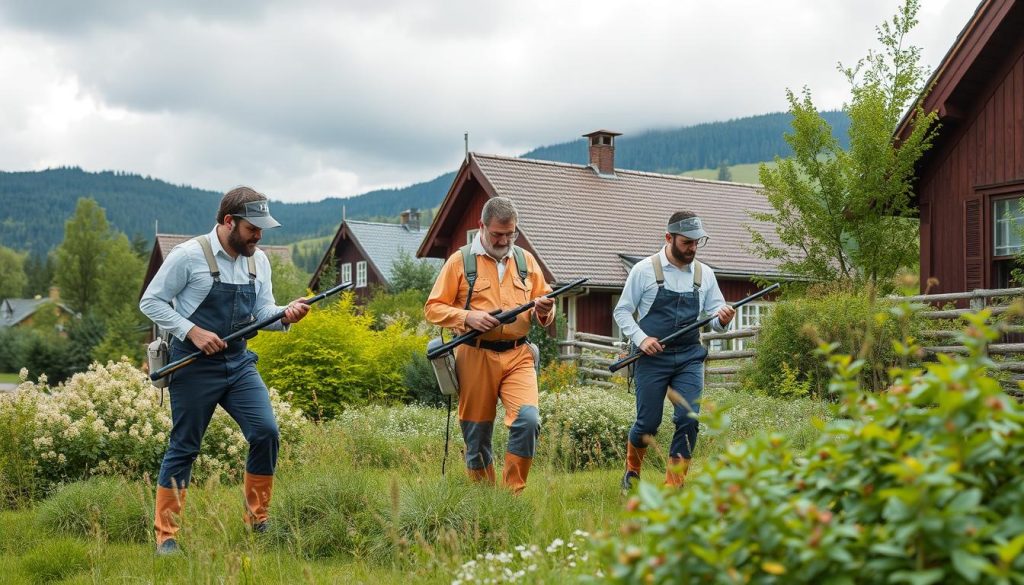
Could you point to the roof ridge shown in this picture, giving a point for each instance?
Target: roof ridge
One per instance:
(617, 170)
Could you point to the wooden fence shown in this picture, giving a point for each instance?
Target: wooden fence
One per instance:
(594, 353)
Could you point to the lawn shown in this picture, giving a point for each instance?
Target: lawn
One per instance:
(9, 378)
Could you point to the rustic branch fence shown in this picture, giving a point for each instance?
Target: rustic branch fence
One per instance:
(594, 353)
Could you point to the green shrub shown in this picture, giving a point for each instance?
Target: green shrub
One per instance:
(558, 376)
(421, 382)
(785, 363)
(54, 560)
(334, 358)
(547, 342)
(585, 427)
(109, 421)
(404, 307)
(18, 463)
(111, 508)
(916, 484)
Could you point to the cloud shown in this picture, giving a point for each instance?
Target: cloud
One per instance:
(322, 98)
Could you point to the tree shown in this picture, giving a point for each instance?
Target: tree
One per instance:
(39, 269)
(121, 279)
(12, 274)
(724, 174)
(123, 337)
(408, 273)
(81, 254)
(847, 215)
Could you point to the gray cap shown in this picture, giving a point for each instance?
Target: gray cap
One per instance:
(691, 227)
(258, 214)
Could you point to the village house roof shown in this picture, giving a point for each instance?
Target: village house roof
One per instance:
(14, 311)
(382, 244)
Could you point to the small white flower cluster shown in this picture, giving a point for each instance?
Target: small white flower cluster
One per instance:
(109, 421)
(527, 561)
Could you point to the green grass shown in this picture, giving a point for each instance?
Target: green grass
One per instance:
(9, 378)
(341, 516)
(745, 173)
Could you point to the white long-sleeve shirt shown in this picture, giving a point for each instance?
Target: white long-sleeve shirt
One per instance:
(641, 288)
(184, 278)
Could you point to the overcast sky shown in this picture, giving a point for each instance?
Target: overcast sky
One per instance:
(305, 99)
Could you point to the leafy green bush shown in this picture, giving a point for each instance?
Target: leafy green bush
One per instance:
(109, 421)
(421, 382)
(54, 560)
(334, 358)
(405, 307)
(916, 484)
(18, 483)
(111, 508)
(558, 376)
(585, 427)
(785, 363)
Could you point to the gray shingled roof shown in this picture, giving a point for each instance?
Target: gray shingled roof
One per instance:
(385, 242)
(583, 224)
(14, 311)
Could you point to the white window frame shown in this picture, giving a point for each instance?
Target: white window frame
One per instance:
(470, 234)
(346, 272)
(1007, 220)
(361, 274)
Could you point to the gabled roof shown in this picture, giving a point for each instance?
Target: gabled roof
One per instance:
(384, 243)
(14, 311)
(582, 224)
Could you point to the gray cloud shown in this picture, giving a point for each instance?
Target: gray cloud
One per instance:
(321, 98)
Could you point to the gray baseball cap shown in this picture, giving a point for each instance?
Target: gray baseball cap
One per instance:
(258, 214)
(691, 227)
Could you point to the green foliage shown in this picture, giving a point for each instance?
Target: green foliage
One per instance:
(401, 307)
(123, 337)
(421, 382)
(546, 342)
(13, 280)
(724, 174)
(918, 484)
(334, 358)
(55, 560)
(18, 485)
(288, 280)
(39, 269)
(557, 376)
(847, 214)
(785, 364)
(408, 273)
(80, 256)
(585, 427)
(120, 277)
(110, 508)
(391, 437)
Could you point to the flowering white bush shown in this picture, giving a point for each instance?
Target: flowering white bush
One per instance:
(530, 563)
(109, 421)
(585, 426)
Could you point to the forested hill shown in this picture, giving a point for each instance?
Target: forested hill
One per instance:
(34, 205)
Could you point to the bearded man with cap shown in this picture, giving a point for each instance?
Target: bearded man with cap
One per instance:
(668, 291)
(207, 288)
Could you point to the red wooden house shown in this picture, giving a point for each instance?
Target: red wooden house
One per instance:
(596, 221)
(971, 183)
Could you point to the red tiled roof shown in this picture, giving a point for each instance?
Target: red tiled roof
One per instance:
(580, 222)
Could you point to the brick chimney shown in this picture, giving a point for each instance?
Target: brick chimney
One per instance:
(602, 151)
(411, 219)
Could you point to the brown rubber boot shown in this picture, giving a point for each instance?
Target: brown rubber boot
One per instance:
(258, 489)
(516, 470)
(675, 473)
(485, 475)
(169, 504)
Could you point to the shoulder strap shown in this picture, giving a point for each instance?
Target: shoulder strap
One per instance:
(659, 273)
(252, 267)
(520, 262)
(469, 267)
(204, 241)
(698, 273)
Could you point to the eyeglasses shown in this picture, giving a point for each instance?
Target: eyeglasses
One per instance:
(699, 243)
(512, 235)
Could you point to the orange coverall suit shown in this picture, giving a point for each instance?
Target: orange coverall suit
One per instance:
(486, 375)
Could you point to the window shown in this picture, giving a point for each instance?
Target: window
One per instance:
(470, 234)
(346, 272)
(1007, 221)
(747, 316)
(360, 274)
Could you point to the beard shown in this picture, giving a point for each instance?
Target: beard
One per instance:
(684, 256)
(496, 252)
(240, 245)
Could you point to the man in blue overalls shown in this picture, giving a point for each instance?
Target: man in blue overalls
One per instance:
(667, 291)
(207, 288)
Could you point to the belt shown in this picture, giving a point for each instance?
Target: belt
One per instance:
(500, 345)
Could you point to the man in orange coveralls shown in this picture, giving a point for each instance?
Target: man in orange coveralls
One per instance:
(499, 363)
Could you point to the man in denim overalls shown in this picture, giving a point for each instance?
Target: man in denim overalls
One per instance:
(207, 288)
(668, 291)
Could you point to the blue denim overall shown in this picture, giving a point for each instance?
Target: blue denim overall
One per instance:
(680, 366)
(228, 378)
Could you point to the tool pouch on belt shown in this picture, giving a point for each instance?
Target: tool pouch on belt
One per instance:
(158, 354)
(536, 355)
(444, 369)
(628, 350)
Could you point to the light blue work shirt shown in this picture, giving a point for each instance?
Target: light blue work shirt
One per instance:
(184, 280)
(641, 288)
